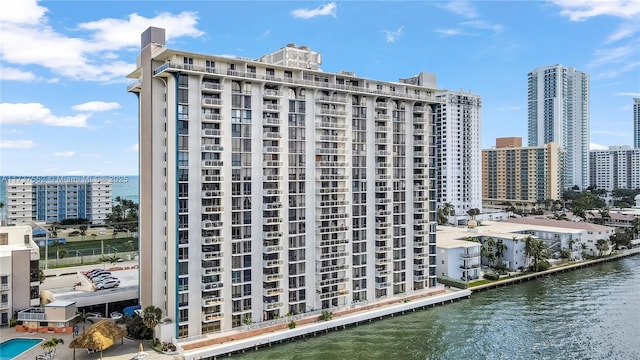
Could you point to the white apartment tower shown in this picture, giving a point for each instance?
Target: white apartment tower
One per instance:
(52, 199)
(269, 187)
(616, 168)
(459, 154)
(636, 123)
(558, 111)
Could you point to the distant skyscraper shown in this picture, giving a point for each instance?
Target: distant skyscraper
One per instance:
(616, 168)
(558, 111)
(636, 123)
(459, 155)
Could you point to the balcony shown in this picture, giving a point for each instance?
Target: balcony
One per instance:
(272, 249)
(211, 132)
(212, 178)
(212, 255)
(212, 148)
(271, 220)
(272, 305)
(333, 255)
(271, 163)
(273, 292)
(271, 149)
(272, 206)
(330, 125)
(271, 192)
(32, 314)
(421, 255)
(212, 224)
(382, 285)
(216, 118)
(332, 112)
(270, 121)
(212, 209)
(271, 135)
(209, 102)
(211, 271)
(271, 263)
(271, 234)
(271, 93)
(271, 107)
(469, 255)
(211, 317)
(212, 301)
(209, 86)
(272, 277)
(331, 99)
(212, 193)
(211, 286)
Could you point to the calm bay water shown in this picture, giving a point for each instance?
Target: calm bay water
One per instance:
(591, 313)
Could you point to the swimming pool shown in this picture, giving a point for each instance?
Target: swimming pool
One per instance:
(11, 348)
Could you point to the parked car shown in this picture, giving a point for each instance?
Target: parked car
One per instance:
(91, 272)
(98, 273)
(109, 284)
(102, 278)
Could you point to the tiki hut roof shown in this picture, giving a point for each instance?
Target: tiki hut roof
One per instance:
(99, 336)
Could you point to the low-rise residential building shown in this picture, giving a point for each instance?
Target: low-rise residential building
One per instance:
(19, 280)
(457, 259)
(551, 231)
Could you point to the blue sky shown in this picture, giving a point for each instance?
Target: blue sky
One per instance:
(64, 109)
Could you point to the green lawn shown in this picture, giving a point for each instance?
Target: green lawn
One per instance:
(479, 282)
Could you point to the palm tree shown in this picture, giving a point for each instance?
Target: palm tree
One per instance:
(60, 252)
(538, 251)
(473, 212)
(603, 246)
(486, 250)
(128, 245)
(112, 259)
(83, 230)
(82, 317)
(151, 318)
(51, 344)
(444, 212)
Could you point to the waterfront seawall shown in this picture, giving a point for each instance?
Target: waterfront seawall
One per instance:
(316, 327)
(532, 276)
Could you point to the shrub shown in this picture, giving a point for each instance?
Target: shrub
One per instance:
(326, 315)
(565, 254)
(136, 329)
(292, 324)
(491, 276)
(452, 282)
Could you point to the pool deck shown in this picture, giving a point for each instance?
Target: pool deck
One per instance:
(119, 351)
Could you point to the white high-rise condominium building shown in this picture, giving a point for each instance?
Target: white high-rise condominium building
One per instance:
(636, 123)
(558, 111)
(53, 199)
(269, 187)
(459, 154)
(616, 168)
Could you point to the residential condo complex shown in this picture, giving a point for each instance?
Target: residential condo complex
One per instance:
(270, 187)
(616, 168)
(512, 173)
(558, 111)
(52, 199)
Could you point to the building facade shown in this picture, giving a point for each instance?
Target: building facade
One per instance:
(636, 123)
(57, 199)
(19, 276)
(511, 172)
(270, 187)
(616, 168)
(558, 111)
(458, 169)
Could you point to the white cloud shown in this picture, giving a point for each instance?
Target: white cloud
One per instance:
(615, 71)
(325, 10)
(611, 133)
(10, 73)
(483, 25)
(393, 36)
(448, 32)
(64, 153)
(21, 12)
(96, 106)
(134, 147)
(265, 34)
(16, 144)
(89, 56)
(462, 7)
(625, 30)
(611, 55)
(36, 113)
(511, 108)
(594, 146)
(631, 94)
(580, 10)
(74, 172)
